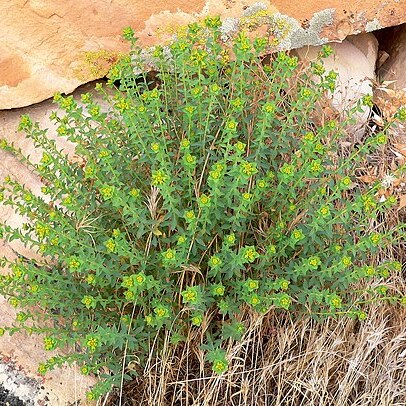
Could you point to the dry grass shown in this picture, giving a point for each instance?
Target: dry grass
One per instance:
(286, 362)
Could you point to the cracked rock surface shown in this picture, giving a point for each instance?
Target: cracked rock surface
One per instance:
(57, 45)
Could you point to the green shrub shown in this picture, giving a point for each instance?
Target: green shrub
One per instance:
(205, 190)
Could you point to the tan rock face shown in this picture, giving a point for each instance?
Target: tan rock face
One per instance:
(48, 46)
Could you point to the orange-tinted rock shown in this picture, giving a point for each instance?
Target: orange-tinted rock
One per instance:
(48, 46)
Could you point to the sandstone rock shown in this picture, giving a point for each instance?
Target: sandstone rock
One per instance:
(9, 165)
(48, 46)
(354, 60)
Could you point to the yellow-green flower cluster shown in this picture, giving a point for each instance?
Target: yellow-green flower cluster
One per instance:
(21, 317)
(129, 295)
(375, 238)
(155, 147)
(159, 177)
(25, 123)
(284, 301)
(46, 158)
(249, 254)
(218, 289)
(231, 125)
(90, 279)
(107, 192)
(314, 262)
(110, 245)
(215, 175)
(185, 143)
(140, 278)
(335, 301)
(181, 240)
(237, 104)
(324, 211)
(204, 200)
(161, 312)
(122, 105)
(369, 271)
(169, 255)
(89, 171)
(190, 295)
(316, 167)
(190, 215)
(271, 249)
(287, 169)
(251, 284)
(246, 196)
(94, 111)
(189, 161)
(240, 147)
(346, 261)
(134, 192)
(268, 108)
(198, 57)
(34, 288)
(215, 88)
(346, 182)
(197, 319)
(196, 91)
(254, 300)
(248, 168)
(128, 282)
(297, 234)
(215, 261)
(92, 342)
(89, 301)
(85, 370)
(220, 366)
(309, 136)
(49, 343)
(104, 153)
(368, 202)
(42, 369)
(401, 114)
(262, 184)
(74, 264)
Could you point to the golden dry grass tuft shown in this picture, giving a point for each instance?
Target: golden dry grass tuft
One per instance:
(284, 362)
